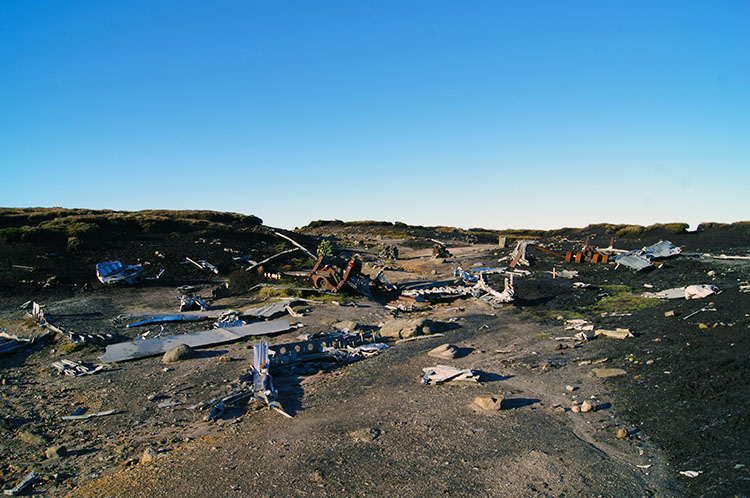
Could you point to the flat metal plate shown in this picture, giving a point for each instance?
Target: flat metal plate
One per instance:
(151, 347)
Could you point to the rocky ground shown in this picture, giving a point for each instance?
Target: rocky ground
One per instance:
(371, 428)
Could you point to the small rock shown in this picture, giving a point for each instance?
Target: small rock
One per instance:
(404, 328)
(649, 362)
(583, 363)
(317, 475)
(491, 403)
(56, 452)
(702, 326)
(30, 438)
(586, 407)
(348, 324)
(225, 358)
(575, 408)
(570, 389)
(622, 433)
(178, 353)
(669, 313)
(604, 373)
(148, 456)
(366, 435)
(445, 351)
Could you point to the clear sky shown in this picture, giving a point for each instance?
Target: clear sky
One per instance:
(497, 114)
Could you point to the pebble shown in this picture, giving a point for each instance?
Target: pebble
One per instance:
(702, 326)
(622, 433)
(365, 435)
(586, 407)
(649, 362)
(148, 456)
(669, 313)
(570, 389)
(56, 452)
(575, 408)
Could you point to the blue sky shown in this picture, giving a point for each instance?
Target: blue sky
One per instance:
(474, 114)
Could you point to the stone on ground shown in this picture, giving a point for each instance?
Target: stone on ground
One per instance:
(178, 353)
(445, 351)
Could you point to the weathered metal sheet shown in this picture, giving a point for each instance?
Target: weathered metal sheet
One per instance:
(267, 311)
(111, 272)
(151, 347)
(176, 317)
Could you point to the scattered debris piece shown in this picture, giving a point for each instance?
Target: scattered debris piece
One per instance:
(419, 337)
(622, 433)
(725, 256)
(111, 272)
(441, 373)
(578, 324)
(74, 368)
(296, 244)
(269, 310)
(189, 302)
(21, 486)
(709, 307)
(691, 473)
(270, 258)
(150, 347)
(689, 292)
(262, 389)
(569, 274)
(700, 291)
(616, 334)
(643, 258)
(203, 265)
(85, 416)
(190, 316)
(11, 342)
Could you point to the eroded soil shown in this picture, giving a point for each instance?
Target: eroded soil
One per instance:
(371, 428)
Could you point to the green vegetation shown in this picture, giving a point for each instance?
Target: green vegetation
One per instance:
(393, 234)
(621, 299)
(623, 304)
(271, 292)
(56, 225)
(71, 347)
(546, 315)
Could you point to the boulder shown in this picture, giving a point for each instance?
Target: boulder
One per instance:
(178, 353)
(405, 328)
